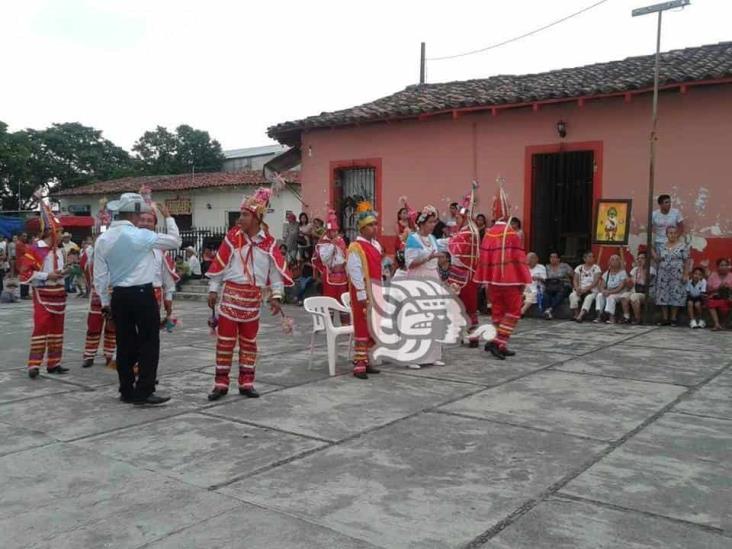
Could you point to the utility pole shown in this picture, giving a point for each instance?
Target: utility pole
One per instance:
(422, 63)
(656, 8)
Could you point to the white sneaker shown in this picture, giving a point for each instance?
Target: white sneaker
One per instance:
(693, 325)
(439, 363)
(701, 324)
(548, 314)
(414, 367)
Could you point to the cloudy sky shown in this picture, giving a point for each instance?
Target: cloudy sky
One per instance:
(233, 67)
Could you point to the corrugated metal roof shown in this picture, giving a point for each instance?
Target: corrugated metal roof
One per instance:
(254, 151)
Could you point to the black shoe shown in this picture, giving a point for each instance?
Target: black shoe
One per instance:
(58, 370)
(360, 375)
(372, 370)
(33, 373)
(150, 400)
(126, 399)
(88, 363)
(217, 394)
(493, 349)
(508, 352)
(249, 393)
(473, 344)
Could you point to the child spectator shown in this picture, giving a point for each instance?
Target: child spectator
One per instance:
(696, 290)
(443, 265)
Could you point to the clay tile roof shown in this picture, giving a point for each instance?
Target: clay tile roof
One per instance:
(709, 62)
(176, 182)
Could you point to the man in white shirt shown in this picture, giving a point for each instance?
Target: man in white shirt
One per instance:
(123, 261)
(663, 218)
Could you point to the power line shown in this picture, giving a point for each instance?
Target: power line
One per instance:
(516, 38)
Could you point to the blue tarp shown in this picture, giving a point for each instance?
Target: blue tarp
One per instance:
(10, 226)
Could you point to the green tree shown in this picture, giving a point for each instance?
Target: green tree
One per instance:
(161, 152)
(59, 157)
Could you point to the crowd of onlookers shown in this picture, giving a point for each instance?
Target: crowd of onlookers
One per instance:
(617, 295)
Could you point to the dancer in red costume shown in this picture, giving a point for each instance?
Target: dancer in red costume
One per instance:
(363, 265)
(329, 260)
(247, 262)
(502, 266)
(96, 322)
(464, 248)
(42, 266)
(166, 277)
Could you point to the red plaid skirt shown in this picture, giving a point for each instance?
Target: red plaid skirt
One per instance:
(240, 302)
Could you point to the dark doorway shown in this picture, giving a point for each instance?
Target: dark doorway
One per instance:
(561, 204)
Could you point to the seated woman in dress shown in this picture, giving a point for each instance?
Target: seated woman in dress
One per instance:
(558, 284)
(636, 283)
(613, 291)
(585, 283)
(719, 290)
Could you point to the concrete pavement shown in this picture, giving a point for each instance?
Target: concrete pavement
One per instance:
(592, 436)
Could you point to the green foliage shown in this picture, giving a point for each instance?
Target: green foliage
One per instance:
(67, 155)
(162, 152)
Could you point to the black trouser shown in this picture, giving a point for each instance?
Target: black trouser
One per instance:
(24, 290)
(137, 321)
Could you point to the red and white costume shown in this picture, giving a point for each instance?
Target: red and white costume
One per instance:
(165, 278)
(502, 266)
(243, 267)
(363, 265)
(464, 248)
(96, 322)
(330, 260)
(49, 303)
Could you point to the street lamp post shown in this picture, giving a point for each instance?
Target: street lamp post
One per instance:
(656, 8)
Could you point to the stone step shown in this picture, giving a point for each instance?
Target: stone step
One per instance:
(194, 288)
(192, 296)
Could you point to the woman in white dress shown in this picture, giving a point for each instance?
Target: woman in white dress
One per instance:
(421, 258)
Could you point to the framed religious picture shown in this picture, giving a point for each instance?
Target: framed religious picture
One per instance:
(612, 222)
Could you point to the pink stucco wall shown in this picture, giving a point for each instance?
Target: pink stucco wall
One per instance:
(432, 161)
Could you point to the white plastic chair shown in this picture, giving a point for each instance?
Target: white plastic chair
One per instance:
(320, 308)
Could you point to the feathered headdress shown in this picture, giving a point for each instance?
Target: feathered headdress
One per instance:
(331, 223)
(365, 214)
(258, 202)
(412, 214)
(501, 208)
(47, 219)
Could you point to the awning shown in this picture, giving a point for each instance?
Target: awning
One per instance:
(68, 221)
